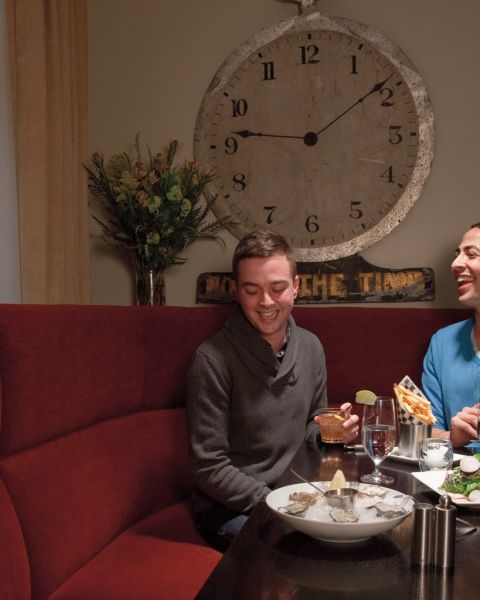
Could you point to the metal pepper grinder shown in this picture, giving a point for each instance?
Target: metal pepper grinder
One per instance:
(444, 539)
(422, 540)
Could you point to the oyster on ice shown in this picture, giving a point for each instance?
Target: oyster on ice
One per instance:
(296, 509)
(372, 491)
(388, 511)
(308, 498)
(300, 501)
(339, 515)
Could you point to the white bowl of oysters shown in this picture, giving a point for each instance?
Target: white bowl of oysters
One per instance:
(356, 512)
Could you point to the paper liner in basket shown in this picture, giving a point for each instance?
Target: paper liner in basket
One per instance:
(412, 406)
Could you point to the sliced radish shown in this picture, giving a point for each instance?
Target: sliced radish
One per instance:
(469, 465)
(474, 496)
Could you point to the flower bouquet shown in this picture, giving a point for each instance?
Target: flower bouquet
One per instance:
(153, 211)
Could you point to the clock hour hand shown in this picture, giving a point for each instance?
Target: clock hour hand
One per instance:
(245, 133)
(376, 88)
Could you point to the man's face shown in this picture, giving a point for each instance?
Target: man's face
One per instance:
(466, 268)
(266, 291)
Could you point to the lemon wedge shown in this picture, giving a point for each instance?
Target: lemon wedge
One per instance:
(365, 397)
(338, 480)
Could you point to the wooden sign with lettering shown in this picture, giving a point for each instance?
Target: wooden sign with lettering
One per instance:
(350, 279)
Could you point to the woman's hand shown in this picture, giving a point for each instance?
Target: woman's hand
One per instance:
(463, 426)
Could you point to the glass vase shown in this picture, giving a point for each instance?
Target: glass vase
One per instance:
(150, 287)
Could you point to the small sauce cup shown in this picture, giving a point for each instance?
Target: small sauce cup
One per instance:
(343, 498)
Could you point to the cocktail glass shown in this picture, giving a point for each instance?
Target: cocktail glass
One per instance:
(331, 421)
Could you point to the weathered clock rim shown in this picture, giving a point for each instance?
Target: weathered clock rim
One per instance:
(426, 131)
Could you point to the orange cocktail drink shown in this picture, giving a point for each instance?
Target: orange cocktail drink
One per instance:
(331, 421)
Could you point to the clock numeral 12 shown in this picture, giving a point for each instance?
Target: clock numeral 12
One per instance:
(308, 54)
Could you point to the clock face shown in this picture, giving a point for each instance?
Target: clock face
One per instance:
(317, 135)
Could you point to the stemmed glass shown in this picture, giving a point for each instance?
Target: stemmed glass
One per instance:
(379, 431)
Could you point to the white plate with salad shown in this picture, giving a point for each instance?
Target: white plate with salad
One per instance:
(457, 483)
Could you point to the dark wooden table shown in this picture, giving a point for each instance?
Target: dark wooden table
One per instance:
(271, 561)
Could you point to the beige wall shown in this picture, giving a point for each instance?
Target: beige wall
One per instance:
(150, 62)
(10, 289)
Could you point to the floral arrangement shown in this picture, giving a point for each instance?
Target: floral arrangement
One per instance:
(153, 207)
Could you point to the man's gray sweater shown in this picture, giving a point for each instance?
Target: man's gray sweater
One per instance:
(248, 412)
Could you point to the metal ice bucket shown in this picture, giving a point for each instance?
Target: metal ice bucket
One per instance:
(410, 438)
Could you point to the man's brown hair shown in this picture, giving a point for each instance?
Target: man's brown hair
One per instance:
(262, 243)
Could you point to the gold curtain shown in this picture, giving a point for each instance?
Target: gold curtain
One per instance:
(48, 58)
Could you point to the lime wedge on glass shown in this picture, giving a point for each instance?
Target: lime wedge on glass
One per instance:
(365, 397)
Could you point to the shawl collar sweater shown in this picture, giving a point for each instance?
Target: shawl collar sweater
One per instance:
(248, 412)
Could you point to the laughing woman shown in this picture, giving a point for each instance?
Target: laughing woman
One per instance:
(451, 368)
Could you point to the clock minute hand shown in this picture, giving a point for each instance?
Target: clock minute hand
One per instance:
(376, 88)
(245, 133)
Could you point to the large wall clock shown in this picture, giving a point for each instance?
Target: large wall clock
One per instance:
(319, 128)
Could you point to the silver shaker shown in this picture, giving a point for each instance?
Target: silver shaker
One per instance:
(423, 527)
(444, 539)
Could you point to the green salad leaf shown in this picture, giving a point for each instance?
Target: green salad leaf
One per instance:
(459, 483)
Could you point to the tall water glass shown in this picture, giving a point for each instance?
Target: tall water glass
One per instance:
(379, 432)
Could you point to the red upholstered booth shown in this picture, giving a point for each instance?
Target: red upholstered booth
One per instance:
(94, 469)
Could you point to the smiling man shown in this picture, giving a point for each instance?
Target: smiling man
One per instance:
(451, 368)
(253, 391)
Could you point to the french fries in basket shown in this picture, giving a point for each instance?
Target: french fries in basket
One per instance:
(414, 404)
